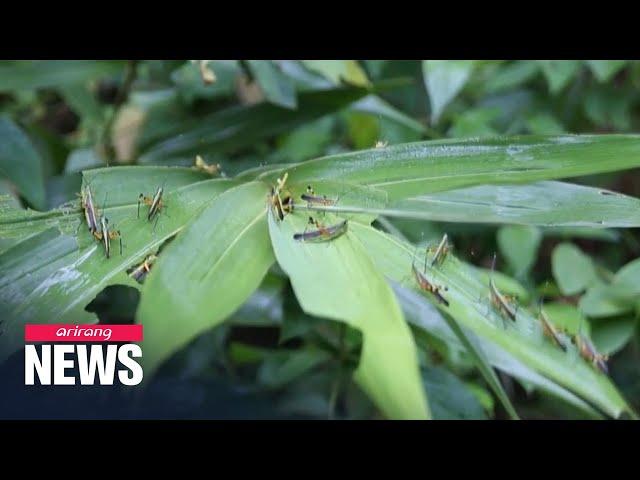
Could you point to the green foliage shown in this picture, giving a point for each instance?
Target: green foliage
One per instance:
(529, 159)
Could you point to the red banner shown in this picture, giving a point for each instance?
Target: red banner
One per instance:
(82, 333)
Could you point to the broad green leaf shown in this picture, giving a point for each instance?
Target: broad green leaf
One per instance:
(278, 88)
(559, 72)
(505, 284)
(422, 314)
(283, 367)
(474, 123)
(449, 398)
(519, 244)
(306, 142)
(55, 267)
(339, 70)
(84, 103)
(482, 363)
(236, 127)
(191, 86)
(337, 280)
(605, 69)
(444, 79)
(544, 123)
(600, 301)
(206, 273)
(567, 317)
(25, 75)
(572, 269)
(20, 162)
(609, 108)
(616, 298)
(611, 335)
(512, 75)
(471, 307)
(626, 282)
(420, 168)
(40, 284)
(375, 105)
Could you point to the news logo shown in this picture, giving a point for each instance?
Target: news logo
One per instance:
(82, 354)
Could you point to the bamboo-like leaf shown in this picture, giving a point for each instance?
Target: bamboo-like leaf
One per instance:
(55, 267)
(549, 204)
(422, 314)
(541, 203)
(471, 307)
(412, 169)
(206, 273)
(24, 75)
(337, 280)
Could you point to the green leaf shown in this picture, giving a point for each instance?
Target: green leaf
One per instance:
(572, 269)
(541, 204)
(278, 88)
(544, 123)
(600, 301)
(470, 306)
(339, 70)
(444, 79)
(231, 129)
(206, 273)
(40, 285)
(55, 267)
(567, 317)
(283, 367)
(413, 169)
(519, 245)
(474, 123)
(555, 205)
(611, 335)
(26, 75)
(375, 105)
(191, 87)
(337, 280)
(424, 315)
(604, 70)
(449, 398)
(482, 363)
(559, 72)
(20, 162)
(512, 75)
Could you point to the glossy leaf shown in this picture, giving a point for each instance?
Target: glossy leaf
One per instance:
(278, 88)
(573, 270)
(20, 162)
(519, 245)
(337, 280)
(471, 307)
(413, 169)
(54, 267)
(206, 273)
(444, 79)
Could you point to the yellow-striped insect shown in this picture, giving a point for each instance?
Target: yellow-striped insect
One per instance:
(322, 233)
